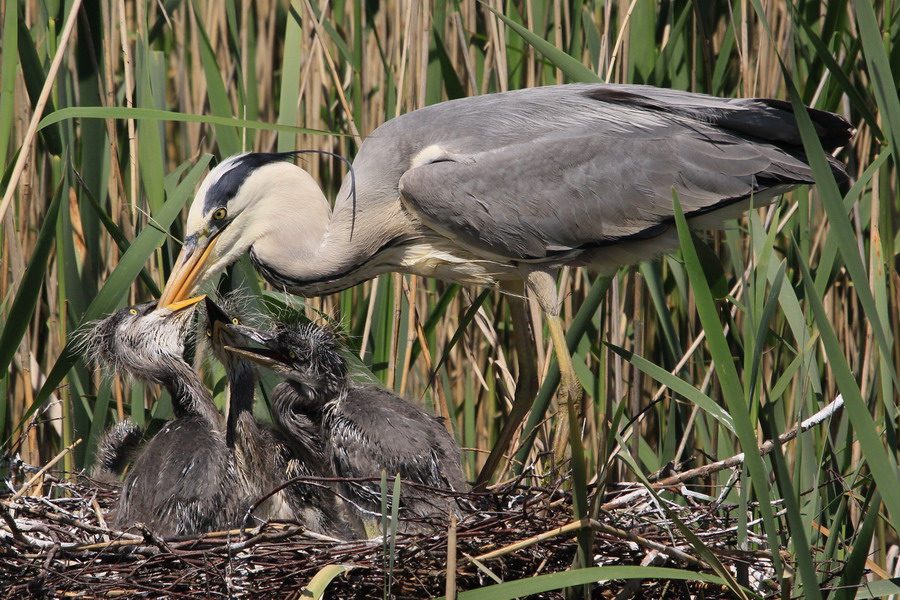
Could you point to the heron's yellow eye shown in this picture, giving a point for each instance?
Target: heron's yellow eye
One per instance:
(220, 214)
(132, 311)
(235, 321)
(292, 354)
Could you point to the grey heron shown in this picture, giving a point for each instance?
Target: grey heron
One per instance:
(267, 458)
(504, 187)
(367, 429)
(184, 480)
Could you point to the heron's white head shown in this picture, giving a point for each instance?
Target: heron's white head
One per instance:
(243, 199)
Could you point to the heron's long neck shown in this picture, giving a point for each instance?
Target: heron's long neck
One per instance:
(304, 243)
(241, 384)
(189, 396)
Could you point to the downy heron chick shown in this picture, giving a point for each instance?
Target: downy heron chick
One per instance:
(367, 429)
(184, 481)
(116, 449)
(267, 458)
(505, 187)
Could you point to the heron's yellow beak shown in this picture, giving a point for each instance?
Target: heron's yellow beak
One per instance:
(191, 263)
(182, 304)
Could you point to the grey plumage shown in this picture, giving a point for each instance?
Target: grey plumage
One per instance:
(301, 431)
(267, 458)
(367, 429)
(184, 481)
(116, 449)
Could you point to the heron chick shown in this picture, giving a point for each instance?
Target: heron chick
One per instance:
(367, 429)
(184, 481)
(268, 458)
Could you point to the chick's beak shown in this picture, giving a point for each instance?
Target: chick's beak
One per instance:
(193, 261)
(260, 356)
(260, 337)
(214, 313)
(265, 356)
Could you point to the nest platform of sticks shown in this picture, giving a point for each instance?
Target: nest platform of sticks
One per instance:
(57, 545)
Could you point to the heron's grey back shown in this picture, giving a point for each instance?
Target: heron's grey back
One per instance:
(544, 172)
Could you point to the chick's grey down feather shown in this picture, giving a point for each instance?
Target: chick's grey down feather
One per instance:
(366, 429)
(115, 450)
(374, 429)
(268, 458)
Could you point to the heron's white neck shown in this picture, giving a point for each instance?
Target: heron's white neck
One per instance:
(300, 242)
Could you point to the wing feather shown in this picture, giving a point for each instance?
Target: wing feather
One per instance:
(536, 173)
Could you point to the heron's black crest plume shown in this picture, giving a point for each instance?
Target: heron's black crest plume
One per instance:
(352, 173)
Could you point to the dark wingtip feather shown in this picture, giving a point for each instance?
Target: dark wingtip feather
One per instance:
(833, 129)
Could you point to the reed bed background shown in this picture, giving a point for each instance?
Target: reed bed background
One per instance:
(769, 320)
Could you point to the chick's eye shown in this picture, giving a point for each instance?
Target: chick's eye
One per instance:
(132, 311)
(209, 333)
(219, 214)
(235, 321)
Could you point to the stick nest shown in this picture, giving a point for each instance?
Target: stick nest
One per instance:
(57, 545)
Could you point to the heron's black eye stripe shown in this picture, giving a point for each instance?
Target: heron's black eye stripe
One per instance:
(239, 169)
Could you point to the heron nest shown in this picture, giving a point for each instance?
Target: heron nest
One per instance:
(57, 545)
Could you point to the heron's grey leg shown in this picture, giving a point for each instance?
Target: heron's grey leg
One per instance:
(526, 383)
(543, 285)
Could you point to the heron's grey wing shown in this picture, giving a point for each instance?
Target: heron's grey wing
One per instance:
(598, 172)
(573, 190)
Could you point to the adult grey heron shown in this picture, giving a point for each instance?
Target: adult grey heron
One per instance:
(184, 480)
(367, 429)
(504, 187)
(267, 458)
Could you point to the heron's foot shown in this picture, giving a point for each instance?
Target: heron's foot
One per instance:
(569, 397)
(569, 392)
